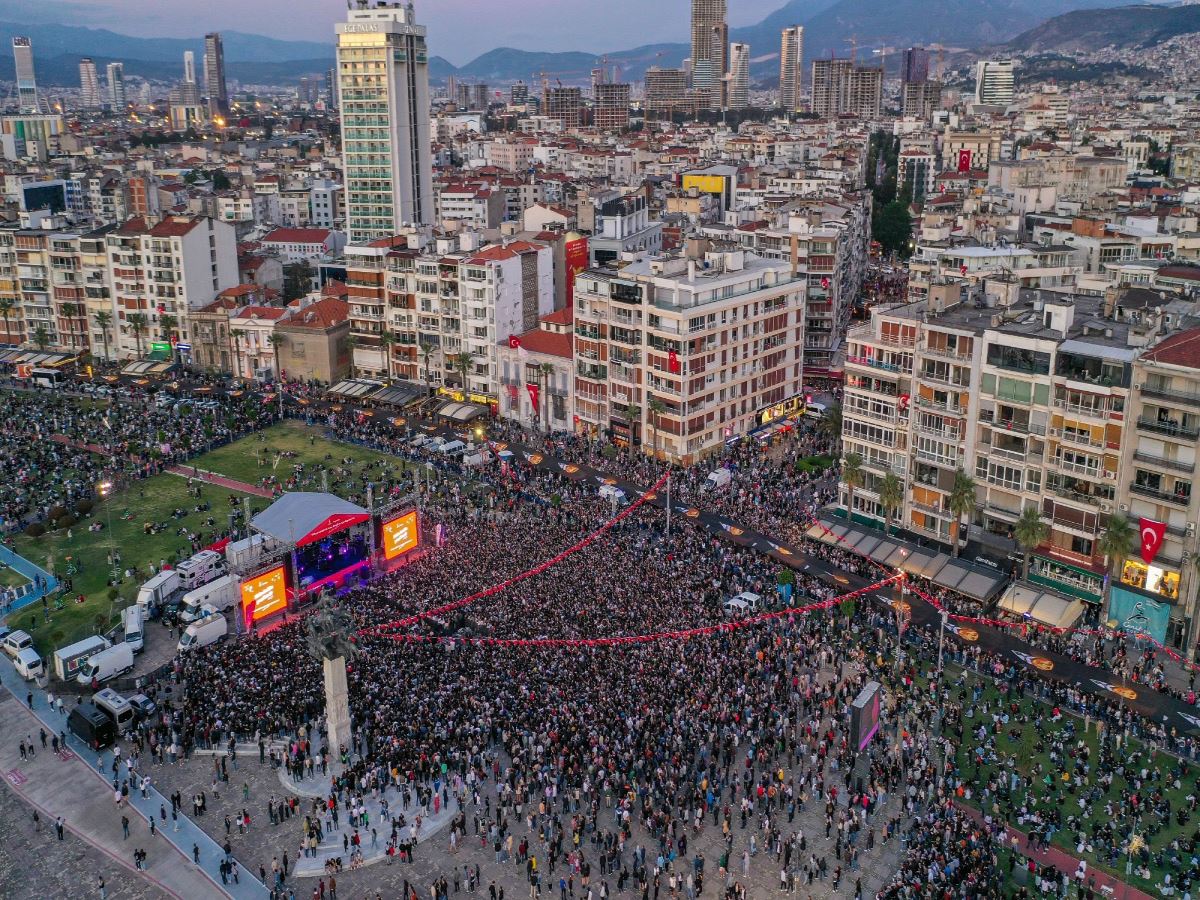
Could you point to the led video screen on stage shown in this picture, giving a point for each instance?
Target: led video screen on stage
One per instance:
(265, 594)
(400, 535)
(864, 722)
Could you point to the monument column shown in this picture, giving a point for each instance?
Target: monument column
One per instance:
(337, 706)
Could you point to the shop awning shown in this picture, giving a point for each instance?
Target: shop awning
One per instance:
(1041, 606)
(306, 517)
(356, 387)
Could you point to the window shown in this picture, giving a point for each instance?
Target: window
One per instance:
(1018, 359)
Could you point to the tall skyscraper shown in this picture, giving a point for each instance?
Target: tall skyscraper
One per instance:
(214, 75)
(841, 88)
(89, 84)
(791, 67)
(189, 67)
(383, 88)
(116, 86)
(27, 92)
(666, 93)
(914, 65)
(994, 80)
(738, 94)
(612, 106)
(708, 50)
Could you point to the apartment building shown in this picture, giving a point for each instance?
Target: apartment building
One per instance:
(1157, 474)
(683, 352)
(1025, 391)
(537, 374)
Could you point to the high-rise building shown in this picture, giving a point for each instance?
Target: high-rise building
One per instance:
(666, 92)
(480, 96)
(27, 92)
(214, 74)
(519, 93)
(737, 96)
(565, 104)
(331, 95)
(841, 88)
(708, 55)
(383, 87)
(791, 67)
(189, 67)
(914, 65)
(116, 86)
(89, 84)
(994, 80)
(921, 98)
(612, 106)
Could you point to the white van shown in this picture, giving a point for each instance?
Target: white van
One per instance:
(16, 642)
(203, 632)
(745, 603)
(29, 664)
(717, 479)
(131, 619)
(816, 410)
(116, 707)
(205, 566)
(106, 665)
(450, 448)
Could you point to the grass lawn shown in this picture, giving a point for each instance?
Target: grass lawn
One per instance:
(10, 578)
(1027, 757)
(814, 464)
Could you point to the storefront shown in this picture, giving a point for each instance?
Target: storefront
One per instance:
(1151, 579)
(792, 406)
(1067, 577)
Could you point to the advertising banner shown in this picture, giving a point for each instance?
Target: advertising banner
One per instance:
(400, 535)
(1138, 614)
(264, 594)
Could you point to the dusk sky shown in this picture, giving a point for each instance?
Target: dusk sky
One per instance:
(459, 29)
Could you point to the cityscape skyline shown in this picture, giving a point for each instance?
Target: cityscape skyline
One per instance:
(550, 25)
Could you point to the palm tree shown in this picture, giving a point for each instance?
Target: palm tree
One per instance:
(853, 476)
(1116, 543)
(831, 426)
(41, 337)
(1029, 532)
(137, 324)
(427, 348)
(167, 324)
(633, 415)
(461, 363)
(276, 341)
(7, 305)
(891, 498)
(962, 502)
(237, 334)
(656, 408)
(104, 319)
(386, 340)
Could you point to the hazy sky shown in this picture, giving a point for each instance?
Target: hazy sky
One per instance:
(458, 29)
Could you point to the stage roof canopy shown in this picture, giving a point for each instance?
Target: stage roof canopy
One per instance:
(307, 517)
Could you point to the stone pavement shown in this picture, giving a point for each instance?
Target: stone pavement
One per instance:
(74, 788)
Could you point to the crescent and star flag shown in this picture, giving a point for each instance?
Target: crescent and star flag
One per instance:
(673, 362)
(514, 341)
(964, 160)
(533, 395)
(1152, 538)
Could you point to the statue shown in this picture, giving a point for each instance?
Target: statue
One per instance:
(328, 634)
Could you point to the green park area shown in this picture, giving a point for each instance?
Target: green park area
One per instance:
(1025, 744)
(147, 516)
(9, 578)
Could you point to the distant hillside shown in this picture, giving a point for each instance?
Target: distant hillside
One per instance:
(1123, 27)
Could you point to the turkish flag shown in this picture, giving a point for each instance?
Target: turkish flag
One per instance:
(964, 160)
(1152, 538)
(533, 395)
(514, 341)
(673, 362)
(825, 282)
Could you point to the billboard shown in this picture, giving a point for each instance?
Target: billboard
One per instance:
(864, 721)
(576, 252)
(264, 594)
(400, 535)
(705, 184)
(1138, 614)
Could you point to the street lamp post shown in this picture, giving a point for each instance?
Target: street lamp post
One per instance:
(941, 639)
(104, 489)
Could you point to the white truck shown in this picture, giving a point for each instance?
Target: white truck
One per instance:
(203, 632)
(68, 660)
(154, 594)
(202, 568)
(220, 595)
(106, 665)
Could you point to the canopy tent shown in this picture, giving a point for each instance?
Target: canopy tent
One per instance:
(400, 394)
(356, 387)
(147, 367)
(303, 518)
(1041, 606)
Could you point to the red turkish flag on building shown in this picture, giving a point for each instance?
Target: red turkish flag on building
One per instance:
(514, 341)
(1152, 538)
(533, 395)
(673, 362)
(964, 160)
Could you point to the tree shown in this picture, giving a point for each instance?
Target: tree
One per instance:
(104, 319)
(831, 425)
(297, 281)
(893, 228)
(427, 348)
(1116, 543)
(167, 324)
(461, 363)
(220, 181)
(137, 324)
(237, 334)
(891, 498)
(656, 408)
(633, 415)
(1029, 533)
(41, 337)
(276, 341)
(853, 476)
(7, 305)
(386, 340)
(962, 502)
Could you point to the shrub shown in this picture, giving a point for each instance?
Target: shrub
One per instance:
(83, 507)
(66, 521)
(35, 529)
(56, 512)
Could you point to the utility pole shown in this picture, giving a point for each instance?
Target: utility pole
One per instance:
(941, 640)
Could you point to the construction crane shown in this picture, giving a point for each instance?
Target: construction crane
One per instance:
(938, 71)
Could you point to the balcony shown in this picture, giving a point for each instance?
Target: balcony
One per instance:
(1074, 468)
(1170, 429)
(1186, 398)
(1143, 490)
(1003, 453)
(1076, 409)
(943, 462)
(947, 354)
(996, 509)
(1164, 463)
(872, 363)
(946, 379)
(1077, 439)
(1079, 497)
(952, 408)
(988, 417)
